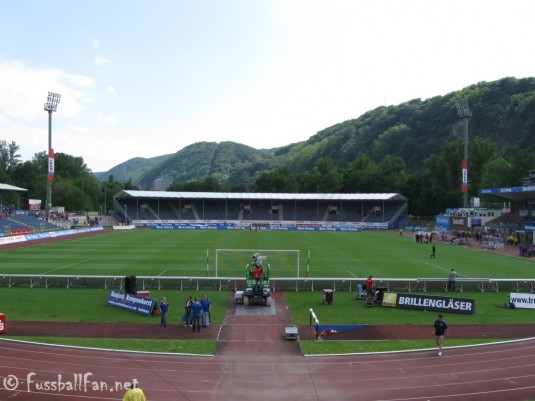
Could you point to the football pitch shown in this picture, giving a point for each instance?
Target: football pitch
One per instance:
(181, 253)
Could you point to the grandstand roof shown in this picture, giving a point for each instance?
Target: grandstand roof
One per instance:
(7, 187)
(252, 195)
(513, 193)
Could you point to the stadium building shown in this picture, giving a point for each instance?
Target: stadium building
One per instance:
(217, 210)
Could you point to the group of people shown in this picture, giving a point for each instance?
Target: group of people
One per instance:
(196, 313)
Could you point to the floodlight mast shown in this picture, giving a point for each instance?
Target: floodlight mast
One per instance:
(464, 112)
(51, 106)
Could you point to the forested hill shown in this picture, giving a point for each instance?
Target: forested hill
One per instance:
(503, 113)
(425, 134)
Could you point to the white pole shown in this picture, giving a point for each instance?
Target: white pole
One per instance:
(207, 267)
(308, 264)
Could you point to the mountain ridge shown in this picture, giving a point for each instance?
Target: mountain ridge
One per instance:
(503, 112)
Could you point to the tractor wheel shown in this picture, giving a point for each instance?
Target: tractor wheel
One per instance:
(245, 301)
(268, 301)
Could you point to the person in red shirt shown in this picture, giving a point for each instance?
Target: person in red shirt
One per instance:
(257, 276)
(370, 286)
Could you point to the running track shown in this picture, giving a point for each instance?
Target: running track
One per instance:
(254, 362)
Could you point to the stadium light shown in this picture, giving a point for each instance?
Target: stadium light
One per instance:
(464, 112)
(51, 106)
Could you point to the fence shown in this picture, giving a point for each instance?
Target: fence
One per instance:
(277, 284)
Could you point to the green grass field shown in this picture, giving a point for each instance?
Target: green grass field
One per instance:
(184, 253)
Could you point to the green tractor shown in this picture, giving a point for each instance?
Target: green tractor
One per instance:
(257, 290)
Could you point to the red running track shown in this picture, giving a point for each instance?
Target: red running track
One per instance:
(254, 362)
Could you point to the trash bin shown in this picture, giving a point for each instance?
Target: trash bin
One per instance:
(327, 296)
(3, 323)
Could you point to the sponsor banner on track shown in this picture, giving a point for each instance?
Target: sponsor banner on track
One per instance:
(429, 302)
(131, 302)
(524, 301)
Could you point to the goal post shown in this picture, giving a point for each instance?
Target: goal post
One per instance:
(232, 262)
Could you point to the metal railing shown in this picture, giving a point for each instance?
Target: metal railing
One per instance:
(277, 284)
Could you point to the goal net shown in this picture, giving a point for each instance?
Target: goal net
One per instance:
(232, 262)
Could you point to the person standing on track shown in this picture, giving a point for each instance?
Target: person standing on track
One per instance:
(206, 307)
(134, 393)
(187, 311)
(196, 312)
(440, 328)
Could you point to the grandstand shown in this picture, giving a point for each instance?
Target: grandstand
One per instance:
(378, 210)
(512, 220)
(15, 221)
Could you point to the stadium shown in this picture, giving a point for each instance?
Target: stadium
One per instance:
(176, 244)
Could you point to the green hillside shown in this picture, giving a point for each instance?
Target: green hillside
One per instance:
(502, 125)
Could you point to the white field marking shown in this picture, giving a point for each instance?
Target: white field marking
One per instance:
(446, 269)
(351, 274)
(178, 270)
(69, 265)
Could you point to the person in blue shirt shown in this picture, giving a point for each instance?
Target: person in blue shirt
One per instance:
(196, 312)
(164, 308)
(206, 307)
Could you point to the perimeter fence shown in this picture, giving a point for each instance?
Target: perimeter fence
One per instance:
(277, 284)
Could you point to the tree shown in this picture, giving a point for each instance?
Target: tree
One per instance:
(393, 175)
(497, 173)
(280, 180)
(324, 178)
(362, 175)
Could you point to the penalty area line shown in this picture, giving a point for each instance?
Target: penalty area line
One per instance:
(69, 265)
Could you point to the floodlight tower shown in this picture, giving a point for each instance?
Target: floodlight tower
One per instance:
(464, 112)
(51, 106)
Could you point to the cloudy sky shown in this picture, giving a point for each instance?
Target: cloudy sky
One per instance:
(142, 78)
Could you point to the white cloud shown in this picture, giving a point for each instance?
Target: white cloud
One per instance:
(95, 43)
(23, 90)
(108, 119)
(110, 89)
(99, 60)
(23, 120)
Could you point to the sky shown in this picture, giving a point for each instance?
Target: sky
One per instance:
(142, 78)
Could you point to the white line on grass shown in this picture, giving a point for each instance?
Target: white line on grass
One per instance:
(351, 274)
(446, 269)
(69, 265)
(179, 270)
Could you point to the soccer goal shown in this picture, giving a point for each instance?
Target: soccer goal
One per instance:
(232, 262)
